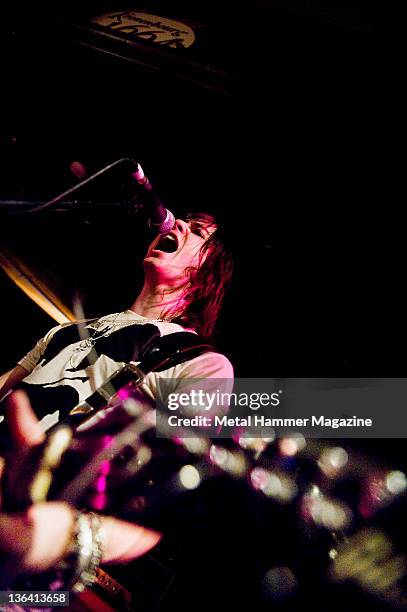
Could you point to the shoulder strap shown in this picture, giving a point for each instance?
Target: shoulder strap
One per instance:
(170, 350)
(160, 354)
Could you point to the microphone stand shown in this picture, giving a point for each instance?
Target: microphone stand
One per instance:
(64, 206)
(73, 189)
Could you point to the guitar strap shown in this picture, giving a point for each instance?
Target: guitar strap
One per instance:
(172, 350)
(161, 354)
(158, 355)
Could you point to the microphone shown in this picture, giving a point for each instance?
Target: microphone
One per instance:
(161, 220)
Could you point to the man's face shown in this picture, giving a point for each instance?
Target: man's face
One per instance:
(170, 255)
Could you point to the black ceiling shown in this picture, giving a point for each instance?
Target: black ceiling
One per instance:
(279, 118)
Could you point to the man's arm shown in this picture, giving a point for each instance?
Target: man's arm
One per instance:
(11, 378)
(45, 529)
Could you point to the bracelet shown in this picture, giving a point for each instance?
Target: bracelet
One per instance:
(90, 541)
(79, 565)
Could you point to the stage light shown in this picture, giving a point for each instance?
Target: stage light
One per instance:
(233, 463)
(189, 477)
(332, 461)
(276, 485)
(292, 445)
(324, 511)
(196, 446)
(279, 583)
(78, 169)
(396, 482)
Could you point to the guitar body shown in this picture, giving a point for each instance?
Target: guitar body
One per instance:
(255, 521)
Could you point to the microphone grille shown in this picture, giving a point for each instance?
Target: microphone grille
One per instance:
(164, 226)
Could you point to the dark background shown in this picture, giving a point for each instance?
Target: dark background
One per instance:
(283, 118)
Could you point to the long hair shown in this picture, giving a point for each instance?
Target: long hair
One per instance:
(207, 283)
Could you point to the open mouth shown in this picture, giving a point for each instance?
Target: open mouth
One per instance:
(167, 243)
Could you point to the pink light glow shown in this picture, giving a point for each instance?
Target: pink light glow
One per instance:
(105, 442)
(123, 394)
(100, 484)
(101, 481)
(99, 501)
(104, 468)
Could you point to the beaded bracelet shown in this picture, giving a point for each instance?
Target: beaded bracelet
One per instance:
(78, 567)
(90, 540)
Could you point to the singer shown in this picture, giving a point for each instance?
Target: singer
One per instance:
(187, 271)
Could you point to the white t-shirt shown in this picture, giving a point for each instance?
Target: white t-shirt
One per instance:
(72, 360)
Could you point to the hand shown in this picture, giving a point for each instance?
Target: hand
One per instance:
(35, 540)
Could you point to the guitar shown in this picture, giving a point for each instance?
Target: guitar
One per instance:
(341, 511)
